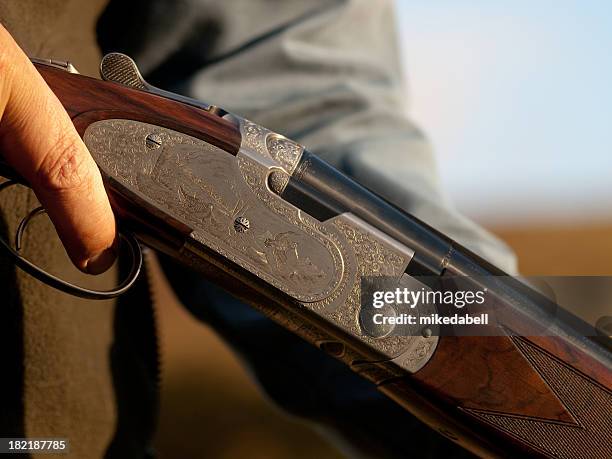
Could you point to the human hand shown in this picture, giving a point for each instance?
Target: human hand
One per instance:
(38, 139)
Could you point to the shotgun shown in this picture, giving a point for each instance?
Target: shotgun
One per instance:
(287, 233)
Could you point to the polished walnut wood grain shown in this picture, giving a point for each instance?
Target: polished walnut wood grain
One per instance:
(490, 373)
(88, 99)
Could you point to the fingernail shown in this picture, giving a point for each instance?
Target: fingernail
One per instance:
(101, 262)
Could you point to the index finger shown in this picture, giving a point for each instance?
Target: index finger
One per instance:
(39, 140)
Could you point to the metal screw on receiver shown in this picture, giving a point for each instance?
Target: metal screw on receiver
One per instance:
(242, 224)
(153, 141)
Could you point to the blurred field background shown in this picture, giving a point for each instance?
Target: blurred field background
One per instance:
(515, 98)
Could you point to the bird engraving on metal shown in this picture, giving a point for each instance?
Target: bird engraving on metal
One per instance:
(229, 204)
(200, 185)
(365, 250)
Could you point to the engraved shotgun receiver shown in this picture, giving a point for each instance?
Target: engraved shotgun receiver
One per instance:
(287, 233)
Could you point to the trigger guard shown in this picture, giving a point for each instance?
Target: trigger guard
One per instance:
(60, 284)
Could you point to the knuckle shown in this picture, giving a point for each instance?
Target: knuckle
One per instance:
(4, 61)
(7, 64)
(64, 167)
(9, 58)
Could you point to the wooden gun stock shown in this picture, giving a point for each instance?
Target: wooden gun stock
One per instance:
(513, 397)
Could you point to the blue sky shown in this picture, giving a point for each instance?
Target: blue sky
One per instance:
(516, 97)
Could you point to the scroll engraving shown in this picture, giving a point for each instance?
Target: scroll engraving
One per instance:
(202, 186)
(318, 264)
